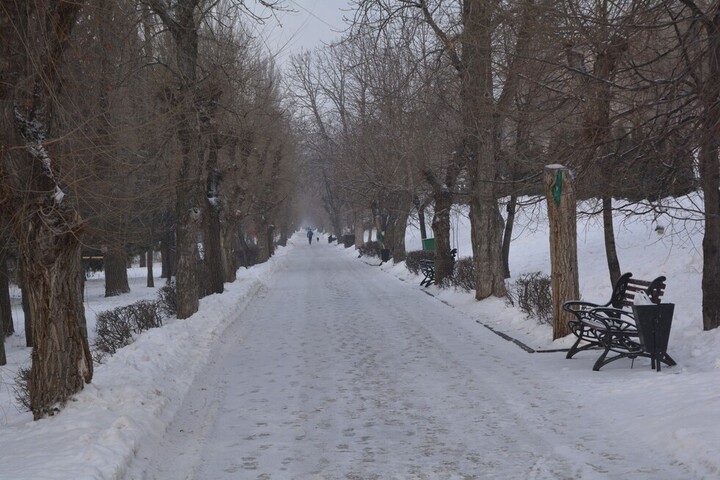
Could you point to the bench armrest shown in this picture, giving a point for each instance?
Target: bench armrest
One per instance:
(611, 319)
(579, 308)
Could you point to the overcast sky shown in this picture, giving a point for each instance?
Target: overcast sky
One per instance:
(308, 25)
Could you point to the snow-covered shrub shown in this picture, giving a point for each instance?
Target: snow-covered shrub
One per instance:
(115, 328)
(464, 276)
(531, 294)
(412, 260)
(167, 299)
(371, 249)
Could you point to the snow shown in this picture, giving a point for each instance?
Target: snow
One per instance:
(318, 364)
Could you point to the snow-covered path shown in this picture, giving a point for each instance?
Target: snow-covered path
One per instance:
(332, 374)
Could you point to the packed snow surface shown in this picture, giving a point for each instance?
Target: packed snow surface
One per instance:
(320, 365)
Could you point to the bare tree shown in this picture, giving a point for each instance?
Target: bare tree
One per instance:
(45, 221)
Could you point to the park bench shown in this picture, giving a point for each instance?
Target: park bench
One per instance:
(427, 268)
(611, 326)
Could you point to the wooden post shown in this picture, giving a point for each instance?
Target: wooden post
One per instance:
(560, 194)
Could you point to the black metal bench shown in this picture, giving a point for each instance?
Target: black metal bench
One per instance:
(611, 326)
(427, 268)
(616, 331)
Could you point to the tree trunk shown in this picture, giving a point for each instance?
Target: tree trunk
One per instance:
(441, 233)
(61, 361)
(186, 277)
(149, 266)
(115, 266)
(25, 306)
(167, 255)
(507, 235)
(271, 239)
(560, 194)
(229, 258)
(283, 235)
(213, 244)
(710, 180)
(359, 233)
(213, 251)
(478, 118)
(399, 252)
(47, 226)
(183, 26)
(142, 261)
(262, 241)
(609, 232)
(421, 219)
(6, 320)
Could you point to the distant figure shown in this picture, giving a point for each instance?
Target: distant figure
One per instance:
(310, 235)
(317, 239)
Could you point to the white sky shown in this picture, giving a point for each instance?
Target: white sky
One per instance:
(307, 24)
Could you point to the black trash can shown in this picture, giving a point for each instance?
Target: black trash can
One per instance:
(653, 324)
(349, 240)
(385, 254)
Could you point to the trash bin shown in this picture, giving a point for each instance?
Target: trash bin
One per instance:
(653, 324)
(428, 244)
(385, 254)
(349, 240)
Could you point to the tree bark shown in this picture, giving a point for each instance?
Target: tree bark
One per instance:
(167, 255)
(609, 233)
(262, 240)
(183, 26)
(149, 266)
(441, 233)
(229, 258)
(27, 314)
(560, 194)
(115, 266)
(61, 361)
(507, 234)
(47, 226)
(478, 116)
(710, 177)
(421, 218)
(359, 233)
(6, 319)
(399, 252)
(213, 244)
(283, 235)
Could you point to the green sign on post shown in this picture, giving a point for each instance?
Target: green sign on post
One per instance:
(557, 188)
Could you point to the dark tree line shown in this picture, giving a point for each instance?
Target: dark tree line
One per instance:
(128, 127)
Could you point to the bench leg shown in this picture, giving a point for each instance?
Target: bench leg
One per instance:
(602, 360)
(661, 358)
(574, 349)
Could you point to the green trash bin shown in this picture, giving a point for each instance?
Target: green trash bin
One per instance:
(428, 244)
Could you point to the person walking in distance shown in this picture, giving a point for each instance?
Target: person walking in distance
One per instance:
(310, 235)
